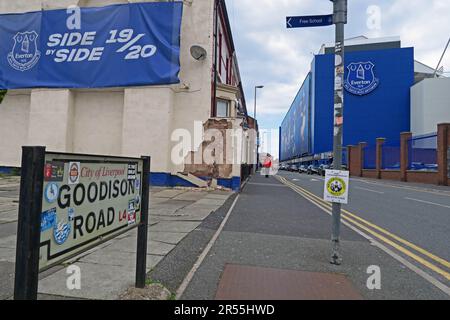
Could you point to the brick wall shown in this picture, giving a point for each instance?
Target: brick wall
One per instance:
(441, 177)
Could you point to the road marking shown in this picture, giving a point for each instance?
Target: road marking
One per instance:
(431, 191)
(405, 242)
(327, 207)
(405, 262)
(428, 202)
(205, 252)
(370, 190)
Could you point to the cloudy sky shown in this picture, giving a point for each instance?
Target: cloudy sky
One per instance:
(278, 58)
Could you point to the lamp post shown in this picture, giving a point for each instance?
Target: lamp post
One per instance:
(257, 137)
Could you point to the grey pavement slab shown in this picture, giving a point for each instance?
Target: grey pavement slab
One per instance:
(168, 193)
(163, 211)
(167, 237)
(129, 245)
(175, 226)
(8, 242)
(7, 254)
(11, 195)
(8, 207)
(6, 279)
(198, 215)
(8, 229)
(210, 202)
(169, 207)
(125, 259)
(10, 216)
(218, 196)
(154, 201)
(98, 281)
(192, 196)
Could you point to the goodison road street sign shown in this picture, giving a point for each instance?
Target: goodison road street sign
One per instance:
(309, 21)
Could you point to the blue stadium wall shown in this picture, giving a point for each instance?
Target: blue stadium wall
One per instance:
(385, 112)
(295, 138)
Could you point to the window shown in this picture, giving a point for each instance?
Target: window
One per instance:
(223, 109)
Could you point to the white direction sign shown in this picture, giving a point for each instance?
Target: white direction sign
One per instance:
(336, 186)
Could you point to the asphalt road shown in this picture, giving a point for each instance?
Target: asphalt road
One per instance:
(419, 214)
(273, 226)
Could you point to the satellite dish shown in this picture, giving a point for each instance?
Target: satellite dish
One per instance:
(198, 53)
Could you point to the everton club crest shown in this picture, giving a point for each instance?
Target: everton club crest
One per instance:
(25, 53)
(361, 78)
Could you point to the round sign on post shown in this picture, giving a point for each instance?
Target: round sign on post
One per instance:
(336, 186)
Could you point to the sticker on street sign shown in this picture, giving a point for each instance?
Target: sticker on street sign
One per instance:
(309, 21)
(336, 186)
(99, 199)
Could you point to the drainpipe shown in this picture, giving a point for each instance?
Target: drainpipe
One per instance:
(216, 31)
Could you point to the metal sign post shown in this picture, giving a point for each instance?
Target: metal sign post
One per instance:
(29, 223)
(340, 19)
(141, 255)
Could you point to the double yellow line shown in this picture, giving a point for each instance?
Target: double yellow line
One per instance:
(382, 234)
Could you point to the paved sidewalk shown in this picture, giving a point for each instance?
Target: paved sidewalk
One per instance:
(108, 270)
(276, 245)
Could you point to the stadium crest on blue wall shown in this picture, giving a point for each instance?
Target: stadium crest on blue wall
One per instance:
(361, 78)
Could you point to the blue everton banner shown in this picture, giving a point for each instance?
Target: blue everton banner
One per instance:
(113, 46)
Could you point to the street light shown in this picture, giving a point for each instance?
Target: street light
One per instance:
(254, 112)
(257, 138)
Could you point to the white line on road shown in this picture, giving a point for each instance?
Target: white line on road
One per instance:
(417, 189)
(428, 202)
(370, 190)
(205, 252)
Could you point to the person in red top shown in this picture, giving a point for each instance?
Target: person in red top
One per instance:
(267, 165)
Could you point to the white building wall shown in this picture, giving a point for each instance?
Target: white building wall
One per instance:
(430, 105)
(147, 119)
(98, 122)
(14, 114)
(124, 121)
(49, 126)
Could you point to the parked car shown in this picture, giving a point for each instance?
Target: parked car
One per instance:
(283, 167)
(293, 168)
(323, 168)
(302, 169)
(312, 169)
